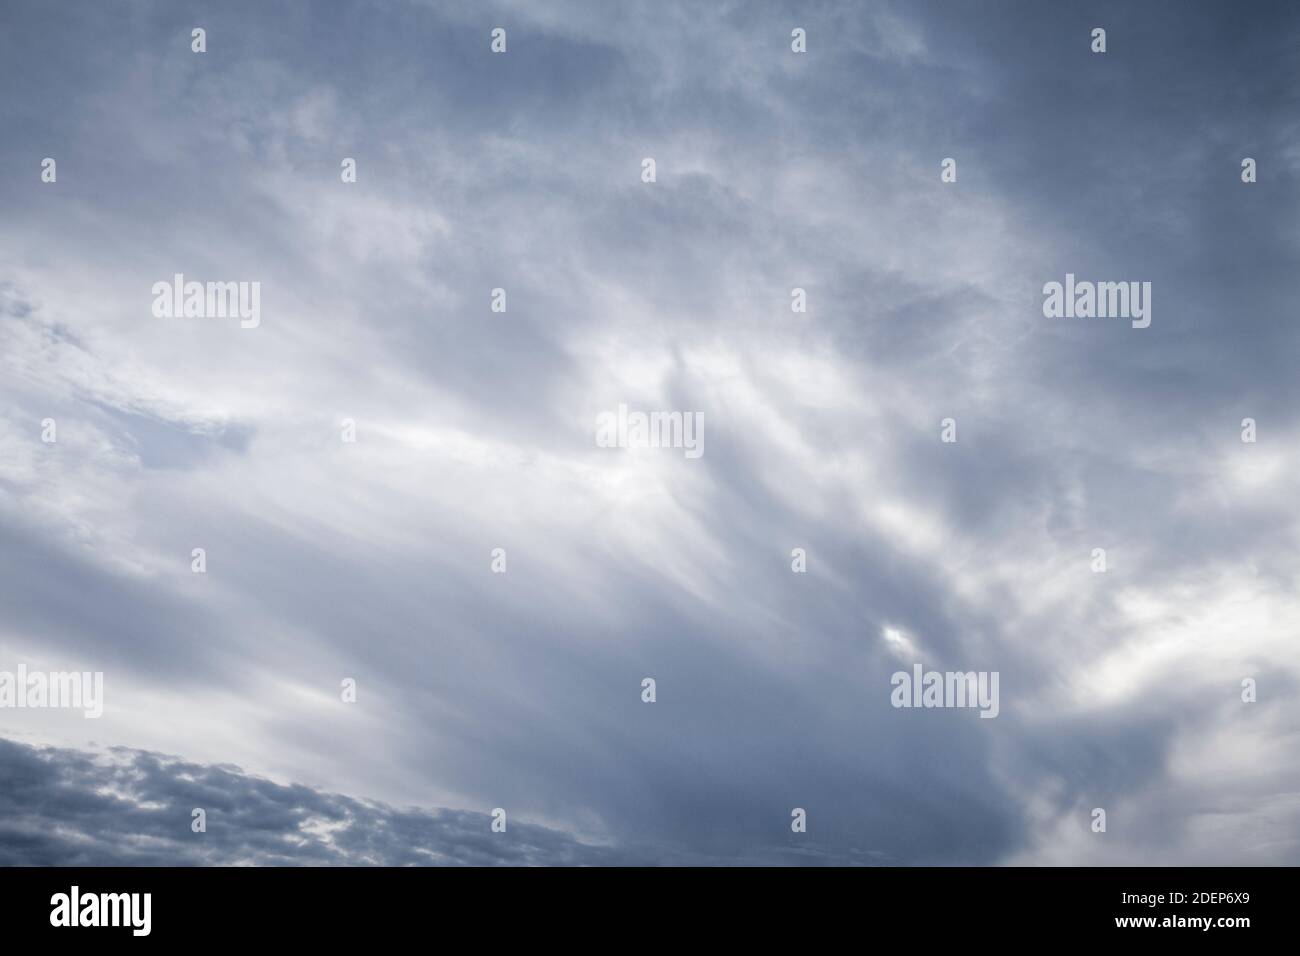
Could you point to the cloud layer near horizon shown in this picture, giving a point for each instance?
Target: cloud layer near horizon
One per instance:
(126, 807)
(475, 430)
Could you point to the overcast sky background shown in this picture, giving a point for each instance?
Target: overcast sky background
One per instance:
(476, 431)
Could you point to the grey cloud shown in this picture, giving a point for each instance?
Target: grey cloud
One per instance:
(119, 806)
(775, 171)
(65, 807)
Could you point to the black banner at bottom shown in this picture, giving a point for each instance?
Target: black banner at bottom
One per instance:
(1225, 906)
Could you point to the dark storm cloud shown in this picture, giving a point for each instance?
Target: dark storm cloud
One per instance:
(74, 808)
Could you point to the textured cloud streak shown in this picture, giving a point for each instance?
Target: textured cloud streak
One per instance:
(127, 807)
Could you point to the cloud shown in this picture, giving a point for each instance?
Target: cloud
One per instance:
(119, 806)
(129, 807)
(370, 560)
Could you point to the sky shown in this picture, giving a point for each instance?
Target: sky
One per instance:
(372, 560)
